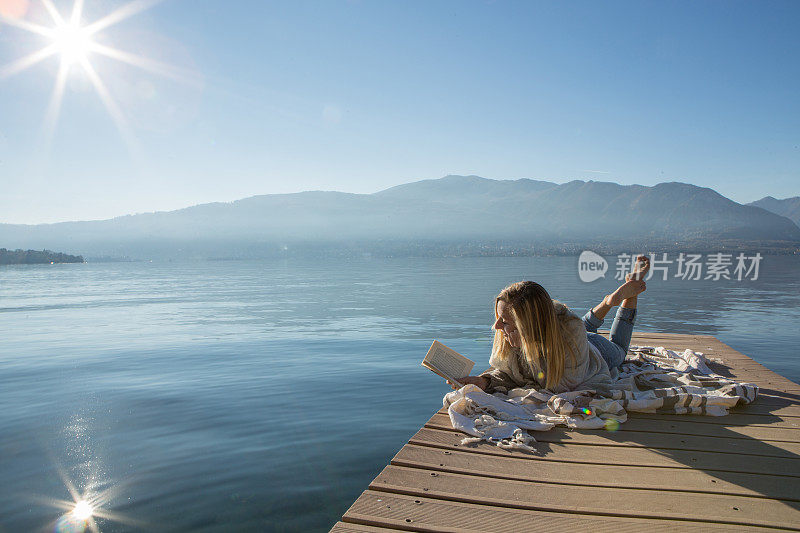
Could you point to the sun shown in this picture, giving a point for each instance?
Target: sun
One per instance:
(83, 510)
(73, 43)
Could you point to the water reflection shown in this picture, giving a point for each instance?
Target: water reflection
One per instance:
(91, 494)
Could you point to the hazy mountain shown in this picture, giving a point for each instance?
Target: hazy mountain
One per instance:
(788, 207)
(453, 208)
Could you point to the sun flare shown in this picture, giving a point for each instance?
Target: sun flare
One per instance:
(72, 41)
(82, 510)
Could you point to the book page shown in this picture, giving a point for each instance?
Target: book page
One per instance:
(447, 362)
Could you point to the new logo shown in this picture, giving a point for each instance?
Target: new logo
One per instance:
(591, 266)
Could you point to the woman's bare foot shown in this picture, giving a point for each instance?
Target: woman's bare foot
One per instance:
(629, 289)
(634, 282)
(639, 269)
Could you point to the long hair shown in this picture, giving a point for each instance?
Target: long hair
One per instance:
(540, 331)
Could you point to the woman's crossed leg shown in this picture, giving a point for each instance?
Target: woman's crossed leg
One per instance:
(615, 348)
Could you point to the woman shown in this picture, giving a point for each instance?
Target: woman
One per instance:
(539, 342)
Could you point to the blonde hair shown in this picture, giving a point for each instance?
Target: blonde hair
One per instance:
(540, 331)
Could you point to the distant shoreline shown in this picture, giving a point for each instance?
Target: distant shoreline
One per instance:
(238, 251)
(36, 257)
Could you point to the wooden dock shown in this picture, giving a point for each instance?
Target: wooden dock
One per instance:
(740, 472)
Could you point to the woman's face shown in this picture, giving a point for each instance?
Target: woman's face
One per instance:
(505, 323)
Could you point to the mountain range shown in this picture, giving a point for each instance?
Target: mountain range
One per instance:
(788, 207)
(453, 209)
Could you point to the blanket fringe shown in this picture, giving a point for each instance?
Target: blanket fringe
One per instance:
(519, 441)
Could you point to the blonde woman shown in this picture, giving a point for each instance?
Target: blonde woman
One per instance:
(539, 342)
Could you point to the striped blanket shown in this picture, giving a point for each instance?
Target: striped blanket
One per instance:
(651, 380)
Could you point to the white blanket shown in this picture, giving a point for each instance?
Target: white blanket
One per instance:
(651, 380)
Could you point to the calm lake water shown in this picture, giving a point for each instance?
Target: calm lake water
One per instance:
(264, 396)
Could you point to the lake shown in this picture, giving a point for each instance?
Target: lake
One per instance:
(265, 395)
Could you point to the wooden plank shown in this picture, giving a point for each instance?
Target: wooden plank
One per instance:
(767, 376)
(656, 441)
(678, 428)
(341, 527)
(726, 509)
(662, 334)
(604, 475)
(709, 346)
(768, 383)
(760, 374)
(749, 365)
(776, 407)
(676, 343)
(646, 333)
(792, 396)
(772, 400)
(732, 419)
(764, 381)
(726, 357)
(420, 513)
(725, 361)
(688, 427)
(587, 454)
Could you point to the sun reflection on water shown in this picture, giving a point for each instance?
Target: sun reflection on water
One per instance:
(90, 490)
(82, 510)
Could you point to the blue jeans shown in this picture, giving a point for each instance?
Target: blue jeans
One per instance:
(615, 349)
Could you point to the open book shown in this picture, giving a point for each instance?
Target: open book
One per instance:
(447, 363)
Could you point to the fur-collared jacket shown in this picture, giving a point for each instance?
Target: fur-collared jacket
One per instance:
(586, 370)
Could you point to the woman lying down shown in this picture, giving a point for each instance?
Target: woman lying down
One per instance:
(551, 367)
(539, 342)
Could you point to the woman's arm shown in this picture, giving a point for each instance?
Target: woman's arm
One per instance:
(481, 381)
(489, 380)
(497, 379)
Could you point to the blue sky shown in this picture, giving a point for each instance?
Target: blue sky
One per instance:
(273, 97)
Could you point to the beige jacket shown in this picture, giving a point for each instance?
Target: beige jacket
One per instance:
(587, 370)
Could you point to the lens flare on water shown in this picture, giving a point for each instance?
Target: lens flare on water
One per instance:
(587, 411)
(70, 524)
(612, 425)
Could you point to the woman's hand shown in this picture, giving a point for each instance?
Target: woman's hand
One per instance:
(480, 381)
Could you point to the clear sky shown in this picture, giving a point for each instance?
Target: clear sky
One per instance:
(255, 97)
